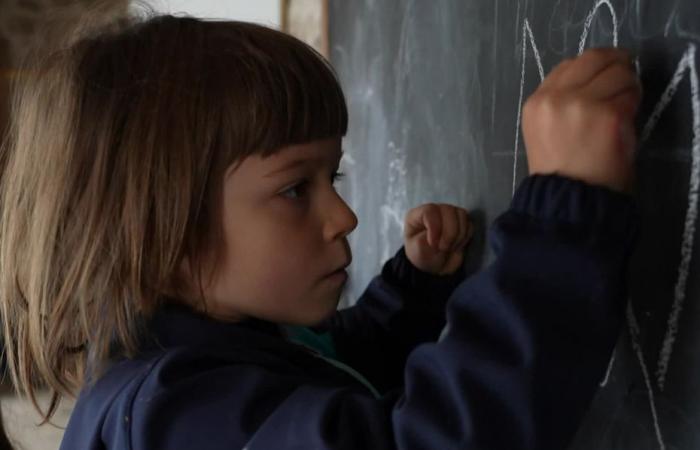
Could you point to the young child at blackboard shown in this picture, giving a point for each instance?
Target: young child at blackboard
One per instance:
(173, 247)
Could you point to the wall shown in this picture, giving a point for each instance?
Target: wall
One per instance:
(266, 12)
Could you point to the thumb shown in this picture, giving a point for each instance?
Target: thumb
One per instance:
(425, 218)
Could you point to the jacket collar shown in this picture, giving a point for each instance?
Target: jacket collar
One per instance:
(175, 325)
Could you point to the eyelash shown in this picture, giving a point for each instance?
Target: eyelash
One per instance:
(335, 177)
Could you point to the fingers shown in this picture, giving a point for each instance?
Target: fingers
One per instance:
(580, 122)
(627, 102)
(456, 232)
(615, 79)
(433, 222)
(466, 230)
(580, 71)
(447, 227)
(450, 227)
(554, 77)
(425, 218)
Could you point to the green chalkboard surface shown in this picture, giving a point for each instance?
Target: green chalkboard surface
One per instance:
(435, 90)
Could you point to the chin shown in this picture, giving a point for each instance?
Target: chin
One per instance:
(323, 314)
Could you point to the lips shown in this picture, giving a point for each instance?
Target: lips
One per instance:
(339, 270)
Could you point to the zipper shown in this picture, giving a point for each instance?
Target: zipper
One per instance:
(345, 368)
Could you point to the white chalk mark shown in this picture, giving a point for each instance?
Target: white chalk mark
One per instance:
(589, 21)
(634, 337)
(670, 20)
(527, 34)
(688, 64)
(395, 207)
(609, 371)
(670, 91)
(347, 159)
(535, 51)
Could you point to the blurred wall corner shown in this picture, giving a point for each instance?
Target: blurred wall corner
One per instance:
(41, 26)
(307, 20)
(37, 27)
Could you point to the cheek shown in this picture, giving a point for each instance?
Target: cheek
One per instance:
(267, 260)
(276, 285)
(275, 244)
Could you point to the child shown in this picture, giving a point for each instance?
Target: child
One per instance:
(174, 249)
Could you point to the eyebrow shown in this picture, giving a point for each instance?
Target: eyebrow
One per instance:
(293, 164)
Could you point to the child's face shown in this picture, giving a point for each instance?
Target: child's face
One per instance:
(285, 229)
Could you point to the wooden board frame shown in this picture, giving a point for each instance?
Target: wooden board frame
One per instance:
(288, 26)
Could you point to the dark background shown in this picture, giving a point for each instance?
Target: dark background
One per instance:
(433, 89)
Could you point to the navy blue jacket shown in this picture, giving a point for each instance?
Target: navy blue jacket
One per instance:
(526, 343)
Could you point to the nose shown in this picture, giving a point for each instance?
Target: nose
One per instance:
(340, 220)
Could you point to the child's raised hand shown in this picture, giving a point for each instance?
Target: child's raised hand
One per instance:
(580, 121)
(435, 237)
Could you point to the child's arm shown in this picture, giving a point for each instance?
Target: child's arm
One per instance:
(528, 340)
(579, 124)
(530, 337)
(400, 309)
(404, 307)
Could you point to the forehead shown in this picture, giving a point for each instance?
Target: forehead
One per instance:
(326, 149)
(322, 152)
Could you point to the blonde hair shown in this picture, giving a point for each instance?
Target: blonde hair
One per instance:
(112, 174)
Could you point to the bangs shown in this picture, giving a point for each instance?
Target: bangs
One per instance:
(277, 91)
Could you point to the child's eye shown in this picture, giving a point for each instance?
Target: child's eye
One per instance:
(295, 191)
(337, 176)
(300, 189)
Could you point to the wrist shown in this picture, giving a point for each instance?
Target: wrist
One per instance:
(559, 199)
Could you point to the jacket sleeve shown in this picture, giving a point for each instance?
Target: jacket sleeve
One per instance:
(400, 309)
(527, 341)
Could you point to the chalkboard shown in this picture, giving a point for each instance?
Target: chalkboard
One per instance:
(435, 91)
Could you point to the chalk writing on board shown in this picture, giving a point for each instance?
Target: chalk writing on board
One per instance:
(637, 348)
(606, 378)
(529, 38)
(687, 65)
(589, 22)
(396, 200)
(527, 34)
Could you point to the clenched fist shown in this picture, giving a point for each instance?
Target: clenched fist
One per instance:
(435, 236)
(579, 123)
